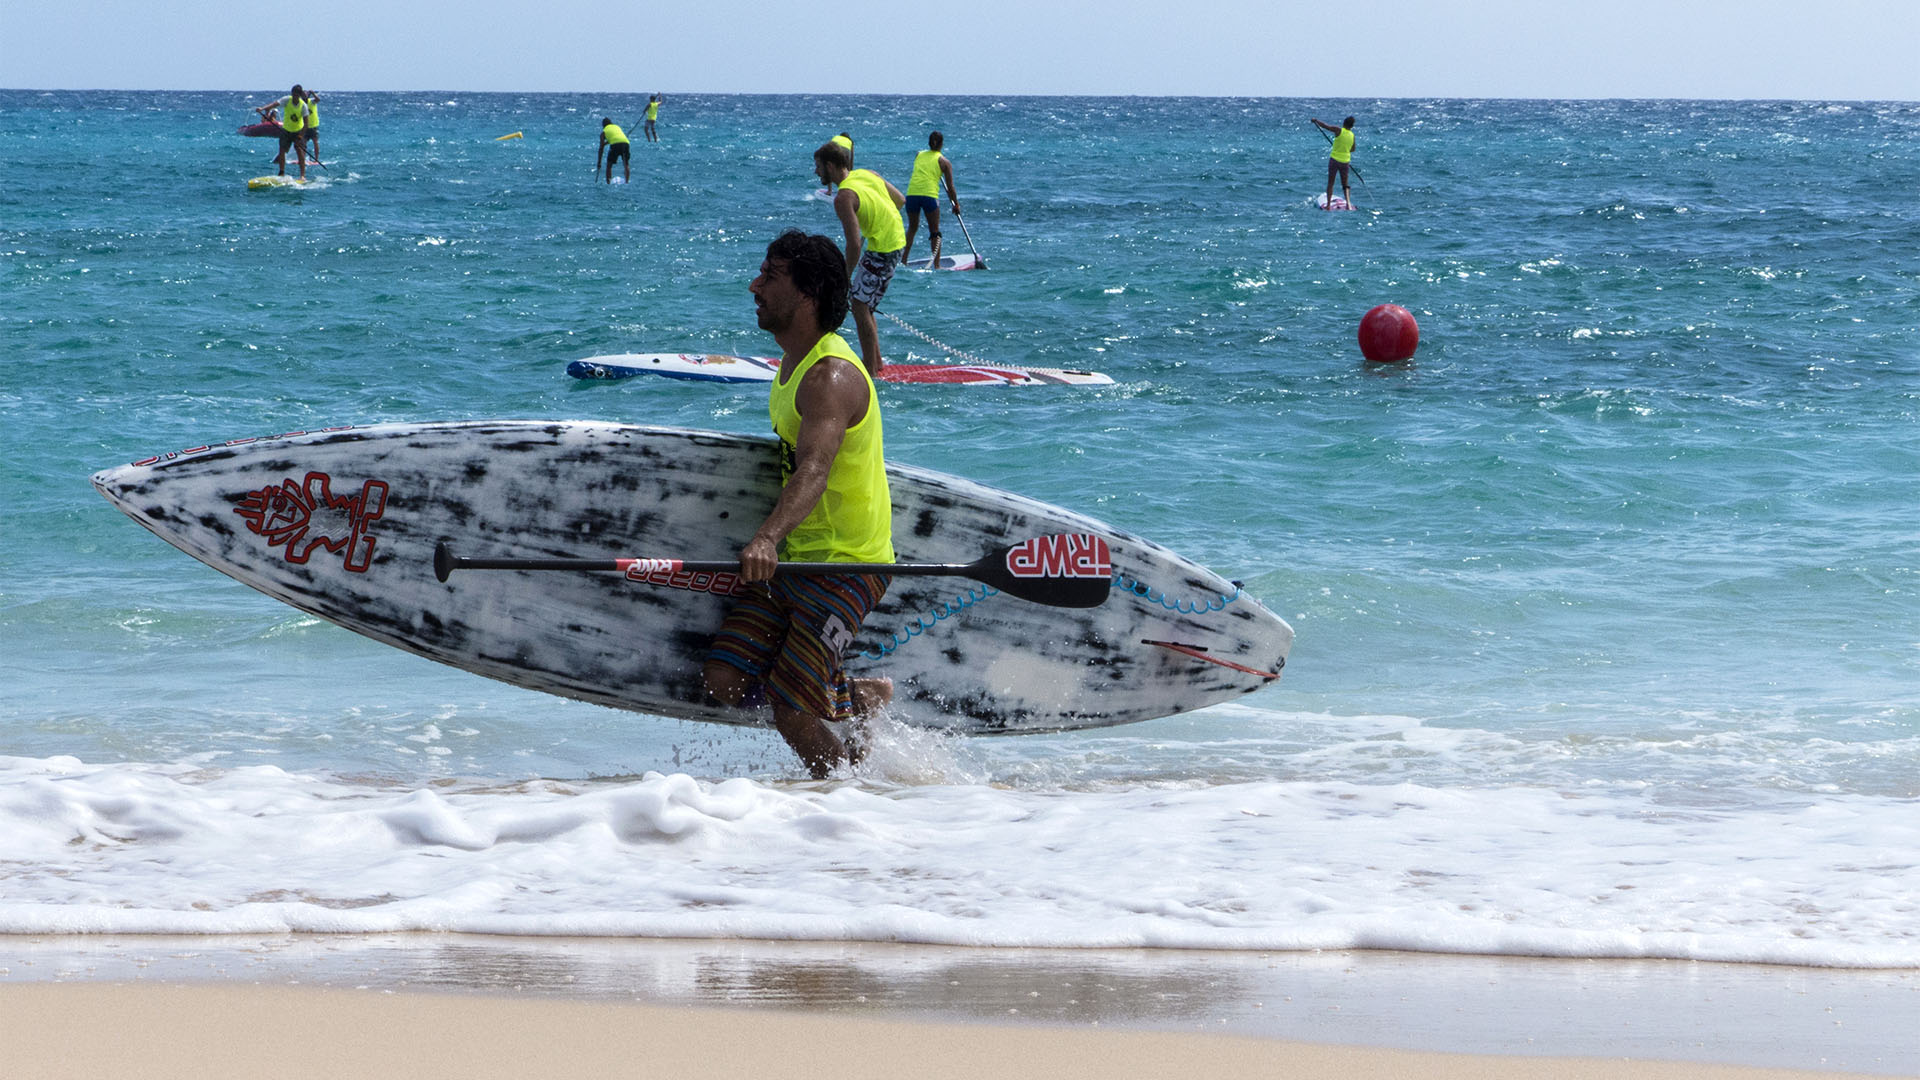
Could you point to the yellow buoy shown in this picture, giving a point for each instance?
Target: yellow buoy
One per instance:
(504, 138)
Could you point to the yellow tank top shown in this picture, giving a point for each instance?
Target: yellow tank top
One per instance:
(613, 134)
(653, 110)
(293, 114)
(1342, 145)
(926, 174)
(853, 521)
(312, 112)
(880, 224)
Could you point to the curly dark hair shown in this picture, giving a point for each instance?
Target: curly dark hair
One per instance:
(835, 154)
(818, 270)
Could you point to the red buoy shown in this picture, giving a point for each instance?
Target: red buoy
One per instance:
(1388, 333)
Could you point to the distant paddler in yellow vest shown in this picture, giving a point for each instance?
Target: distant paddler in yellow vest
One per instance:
(653, 114)
(930, 167)
(869, 212)
(614, 143)
(782, 641)
(293, 124)
(310, 107)
(1339, 158)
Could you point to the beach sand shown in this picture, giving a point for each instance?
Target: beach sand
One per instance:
(479, 1007)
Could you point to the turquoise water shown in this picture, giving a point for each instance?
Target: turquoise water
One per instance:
(1638, 521)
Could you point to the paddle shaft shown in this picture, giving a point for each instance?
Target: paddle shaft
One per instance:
(1067, 570)
(718, 566)
(963, 232)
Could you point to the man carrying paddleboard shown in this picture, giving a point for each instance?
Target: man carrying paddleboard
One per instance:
(930, 167)
(614, 143)
(869, 211)
(784, 638)
(1339, 158)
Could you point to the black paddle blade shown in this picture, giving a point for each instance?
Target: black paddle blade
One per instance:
(1070, 570)
(442, 560)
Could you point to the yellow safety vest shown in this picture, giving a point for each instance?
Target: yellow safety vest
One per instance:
(926, 174)
(292, 115)
(880, 224)
(853, 521)
(1342, 145)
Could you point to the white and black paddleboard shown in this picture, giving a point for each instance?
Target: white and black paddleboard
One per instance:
(965, 261)
(343, 523)
(715, 367)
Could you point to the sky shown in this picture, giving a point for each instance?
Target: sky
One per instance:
(1833, 49)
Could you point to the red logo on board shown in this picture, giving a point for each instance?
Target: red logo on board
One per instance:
(305, 516)
(1070, 555)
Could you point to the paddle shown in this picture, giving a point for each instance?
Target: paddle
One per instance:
(1069, 570)
(978, 261)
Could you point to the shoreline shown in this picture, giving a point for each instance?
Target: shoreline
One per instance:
(1370, 1009)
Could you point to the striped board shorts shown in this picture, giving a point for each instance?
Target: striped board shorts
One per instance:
(791, 632)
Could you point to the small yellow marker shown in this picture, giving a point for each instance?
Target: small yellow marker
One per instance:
(515, 135)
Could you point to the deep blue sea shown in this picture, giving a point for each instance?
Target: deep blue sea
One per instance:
(1607, 602)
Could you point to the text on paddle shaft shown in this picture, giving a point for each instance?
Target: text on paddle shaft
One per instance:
(669, 573)
(1071, 555)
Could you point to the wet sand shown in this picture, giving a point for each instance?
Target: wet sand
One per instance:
(476, 1006)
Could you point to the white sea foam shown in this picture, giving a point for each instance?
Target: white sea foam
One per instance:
(132, 848)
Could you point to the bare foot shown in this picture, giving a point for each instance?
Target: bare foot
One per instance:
(858, 739)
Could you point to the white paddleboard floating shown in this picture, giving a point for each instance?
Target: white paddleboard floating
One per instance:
(343, 523)
(1337, 203)
(964, 261)
(716, 367)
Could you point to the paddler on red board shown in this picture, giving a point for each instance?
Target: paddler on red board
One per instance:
(1339, 158)
(783, 640)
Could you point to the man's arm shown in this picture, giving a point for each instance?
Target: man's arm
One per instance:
(893, 193)
(832, 398)
(847, 205)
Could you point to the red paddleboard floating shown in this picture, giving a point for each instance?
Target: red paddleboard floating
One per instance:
(1388, 333)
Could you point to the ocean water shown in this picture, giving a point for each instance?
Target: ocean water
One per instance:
(1608, 602)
